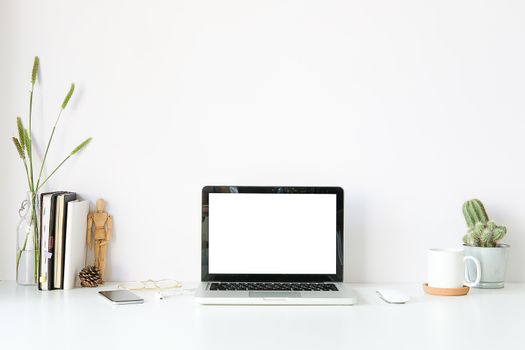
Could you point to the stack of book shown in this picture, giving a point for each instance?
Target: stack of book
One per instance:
(63, 224)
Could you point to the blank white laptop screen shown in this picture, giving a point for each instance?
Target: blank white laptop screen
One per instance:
(272, 233)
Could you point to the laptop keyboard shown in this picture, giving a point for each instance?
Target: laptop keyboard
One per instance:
(307, 287)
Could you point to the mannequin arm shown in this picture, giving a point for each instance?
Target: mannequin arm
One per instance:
(88, 233)
(110, 228)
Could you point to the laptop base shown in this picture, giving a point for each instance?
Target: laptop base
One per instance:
(344, 296)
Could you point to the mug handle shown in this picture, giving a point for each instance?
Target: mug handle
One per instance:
(478, 271)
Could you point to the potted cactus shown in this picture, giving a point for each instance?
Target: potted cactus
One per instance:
(481, 241)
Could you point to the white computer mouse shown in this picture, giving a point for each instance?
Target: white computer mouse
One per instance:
(392, 296)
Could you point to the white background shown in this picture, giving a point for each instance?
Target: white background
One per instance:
(272, 233)
(411, 106)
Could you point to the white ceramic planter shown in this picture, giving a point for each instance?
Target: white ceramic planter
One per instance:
(493, 265)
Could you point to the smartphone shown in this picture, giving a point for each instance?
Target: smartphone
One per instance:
(121, 297)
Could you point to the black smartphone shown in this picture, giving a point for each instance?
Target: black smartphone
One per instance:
(121, 297)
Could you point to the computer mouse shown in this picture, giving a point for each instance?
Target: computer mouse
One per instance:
(392, 296)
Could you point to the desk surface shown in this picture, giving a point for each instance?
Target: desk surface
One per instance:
(81, 319)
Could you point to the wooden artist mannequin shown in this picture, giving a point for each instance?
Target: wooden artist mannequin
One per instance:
(103, 226)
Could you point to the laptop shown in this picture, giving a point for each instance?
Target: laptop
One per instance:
(272, 245)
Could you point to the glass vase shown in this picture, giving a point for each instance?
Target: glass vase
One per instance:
(27, 247)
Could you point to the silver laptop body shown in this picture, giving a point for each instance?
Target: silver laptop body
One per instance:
(273, 246)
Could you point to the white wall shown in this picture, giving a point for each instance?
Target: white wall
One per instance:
(412, 106)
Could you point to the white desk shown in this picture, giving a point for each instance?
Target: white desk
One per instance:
(81, 319)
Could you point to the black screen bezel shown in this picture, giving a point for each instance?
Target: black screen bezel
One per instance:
(337, 277)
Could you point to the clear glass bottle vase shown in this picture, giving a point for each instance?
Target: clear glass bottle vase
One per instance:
(27, 247)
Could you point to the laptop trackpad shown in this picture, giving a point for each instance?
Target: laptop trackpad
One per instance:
(275, 294)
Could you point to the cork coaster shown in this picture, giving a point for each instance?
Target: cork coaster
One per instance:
(449, 292)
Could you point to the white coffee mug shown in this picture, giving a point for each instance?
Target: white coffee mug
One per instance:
(446, 268)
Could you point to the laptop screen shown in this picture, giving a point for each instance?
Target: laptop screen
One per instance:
(271, 233)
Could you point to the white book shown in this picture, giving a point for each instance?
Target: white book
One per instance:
(75, 252)
(44, 241)
(59, 215)
(60, 236)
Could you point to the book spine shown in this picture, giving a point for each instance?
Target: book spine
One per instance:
(44, 244)
(70, 197)
(40, 240)
(58, 241)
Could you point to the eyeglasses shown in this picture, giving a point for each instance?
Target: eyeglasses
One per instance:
(175, 292)
(157, 285)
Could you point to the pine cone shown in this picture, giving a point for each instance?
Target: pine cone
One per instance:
(90, 276)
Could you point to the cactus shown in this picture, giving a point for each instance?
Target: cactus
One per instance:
(474, 212)
(481, 231)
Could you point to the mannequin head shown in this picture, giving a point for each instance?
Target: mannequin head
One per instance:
(101, 205)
